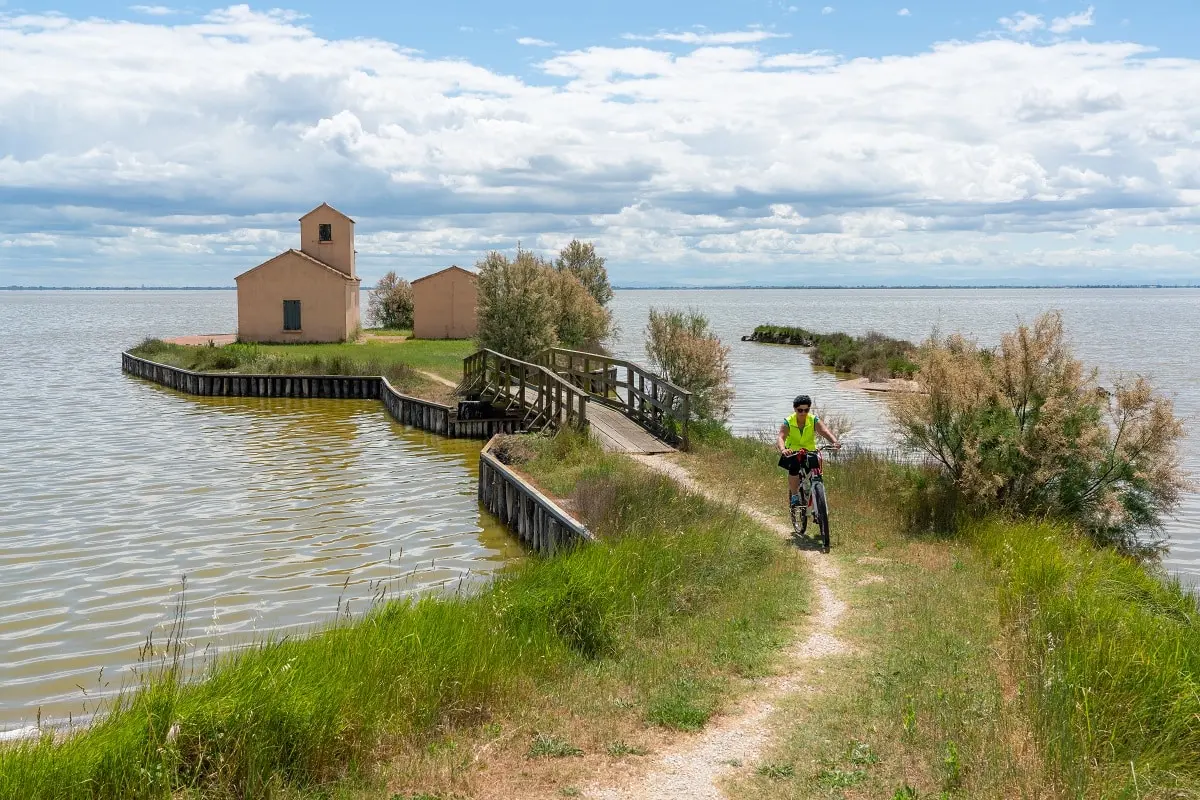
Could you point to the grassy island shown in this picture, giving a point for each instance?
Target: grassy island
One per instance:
(418, 367)
(873, 356)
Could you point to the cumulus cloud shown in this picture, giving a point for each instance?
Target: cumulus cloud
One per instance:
(188, 151)
(827, 10)
(529, 41)
(702, 38)
(1023, 22)
(1069, 23)
(154, 11)
(904, 12)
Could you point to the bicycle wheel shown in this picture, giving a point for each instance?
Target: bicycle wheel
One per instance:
(821, 511)
(799, 517)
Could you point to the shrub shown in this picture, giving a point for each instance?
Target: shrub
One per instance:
(582, 323)
(390, 303)
(517, 312)
(1026, 429)
(580, 259)
(526, 306)
(681, 347)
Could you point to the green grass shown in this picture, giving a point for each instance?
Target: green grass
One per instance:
(1111, 662)
(398, 361)
(440, 356)
(545, 745)
(1011, 659)
(389, 331)
(924, 623)
(875, 356)
(654, 599)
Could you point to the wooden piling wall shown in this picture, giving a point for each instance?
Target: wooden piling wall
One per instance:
(536, 520)
(413, 411)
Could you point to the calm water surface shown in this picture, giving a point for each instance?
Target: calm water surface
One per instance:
(1151, 331)
(275, 510)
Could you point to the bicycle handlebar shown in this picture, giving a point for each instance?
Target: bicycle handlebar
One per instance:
(820, 449)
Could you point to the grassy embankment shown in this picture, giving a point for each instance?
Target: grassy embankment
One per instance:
(400, 362)
(873, 356)
(587, 654)
(1014, 660)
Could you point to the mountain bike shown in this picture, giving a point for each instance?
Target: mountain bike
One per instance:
(812, 496)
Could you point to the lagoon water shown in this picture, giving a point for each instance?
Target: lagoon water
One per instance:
(280, 512)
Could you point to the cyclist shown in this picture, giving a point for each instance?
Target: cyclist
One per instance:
(799, 432)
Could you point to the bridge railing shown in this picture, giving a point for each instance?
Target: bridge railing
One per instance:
(650, 400)
(532, 386)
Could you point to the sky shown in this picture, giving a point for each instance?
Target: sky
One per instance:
(762, 142)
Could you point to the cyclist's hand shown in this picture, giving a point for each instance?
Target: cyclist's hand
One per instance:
(837, 445)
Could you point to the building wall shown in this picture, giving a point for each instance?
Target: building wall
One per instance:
(444, 306)
(353, 318)
(339, 253)
(325, 314)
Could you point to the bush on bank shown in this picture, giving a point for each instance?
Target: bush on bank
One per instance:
(303, 712)
(1026, 429)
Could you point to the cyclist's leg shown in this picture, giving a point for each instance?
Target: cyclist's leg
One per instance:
(794, 487)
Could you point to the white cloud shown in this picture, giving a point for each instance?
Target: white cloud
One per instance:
(529, 41)
(1023, 22)
(904, 12)
(827, 10)
(194, 147)
(1069, 23)
(705, 38)
(154, 11)
(801, 60)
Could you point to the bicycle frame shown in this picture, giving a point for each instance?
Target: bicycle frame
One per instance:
(808, 473)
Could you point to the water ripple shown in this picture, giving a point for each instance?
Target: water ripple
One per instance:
(112, 490)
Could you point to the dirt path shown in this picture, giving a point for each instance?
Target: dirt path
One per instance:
(695, 767)
(435, 378)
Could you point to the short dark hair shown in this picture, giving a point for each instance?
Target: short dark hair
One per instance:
(802, 400)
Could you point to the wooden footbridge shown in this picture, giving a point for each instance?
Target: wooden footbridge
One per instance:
(622, 405)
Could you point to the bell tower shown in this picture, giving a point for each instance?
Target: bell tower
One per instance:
(327, 235)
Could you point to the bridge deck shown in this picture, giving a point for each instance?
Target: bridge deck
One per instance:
(617, 433)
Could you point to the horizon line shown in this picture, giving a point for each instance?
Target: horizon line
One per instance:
(689, 287)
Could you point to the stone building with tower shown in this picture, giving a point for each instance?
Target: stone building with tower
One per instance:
(305, 295)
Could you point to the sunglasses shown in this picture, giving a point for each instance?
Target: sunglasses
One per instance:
(800, 410)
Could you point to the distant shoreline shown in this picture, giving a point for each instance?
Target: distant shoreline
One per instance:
(656, 288)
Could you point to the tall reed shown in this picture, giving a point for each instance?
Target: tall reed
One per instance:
(1112, 661)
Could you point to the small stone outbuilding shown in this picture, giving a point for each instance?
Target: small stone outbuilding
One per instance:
(305, 295)
(444, 305)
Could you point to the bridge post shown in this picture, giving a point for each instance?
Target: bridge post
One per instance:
(687, 415)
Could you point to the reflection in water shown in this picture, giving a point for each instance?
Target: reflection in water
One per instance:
(278, 511)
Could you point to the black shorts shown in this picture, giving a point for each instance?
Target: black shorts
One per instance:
(795, 465)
